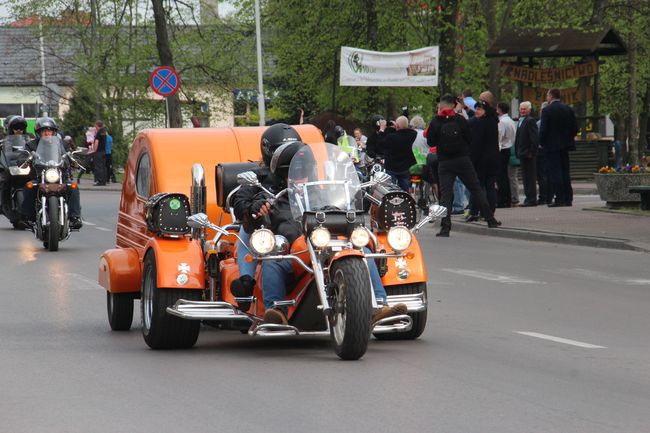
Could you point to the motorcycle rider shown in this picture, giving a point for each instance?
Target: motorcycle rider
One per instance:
(15, 125)
(276, 275)
(272, 138)
(47, 127)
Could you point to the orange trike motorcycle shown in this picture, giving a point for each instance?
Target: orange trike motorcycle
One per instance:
(331, 291)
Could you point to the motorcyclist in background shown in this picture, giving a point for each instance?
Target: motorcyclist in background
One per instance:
(15, 125)
(47, 127)
(277, 275)
(272, 138)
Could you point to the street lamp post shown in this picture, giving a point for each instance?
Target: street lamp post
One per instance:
(260, 85)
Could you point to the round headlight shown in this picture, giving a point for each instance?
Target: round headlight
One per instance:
(320, 237)
(399, 238)
(262, 241)
(360, 237)
(52, 175)
(281, 245)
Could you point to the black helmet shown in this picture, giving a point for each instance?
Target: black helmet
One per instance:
(274, 137)
(375, 121)
(339, 131)
(45, 123)
(282, 157)
(15, 122)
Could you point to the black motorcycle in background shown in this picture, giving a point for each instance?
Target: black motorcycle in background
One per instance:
(14, 174)
(53, 185)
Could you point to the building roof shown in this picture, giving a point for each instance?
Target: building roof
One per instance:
(20, 58)
(557, 43)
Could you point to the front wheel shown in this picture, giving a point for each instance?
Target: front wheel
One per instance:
(419, 319)
(54, 229)
(352, 307)
(120, 310)
(160, 329)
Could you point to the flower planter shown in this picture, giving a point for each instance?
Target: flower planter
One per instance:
(613, 188)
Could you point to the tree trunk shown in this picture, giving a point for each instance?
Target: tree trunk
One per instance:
(166, 59)
(489, 9)
(372, 102)
(633, 116)
(598, 12)
(448, 48)
(643, 121)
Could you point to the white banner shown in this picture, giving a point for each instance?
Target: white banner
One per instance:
(404, 69)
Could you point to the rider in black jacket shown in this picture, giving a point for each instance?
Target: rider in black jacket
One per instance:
(246, 204)
(46, 127)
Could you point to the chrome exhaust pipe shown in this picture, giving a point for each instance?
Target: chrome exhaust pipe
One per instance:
(198, 198)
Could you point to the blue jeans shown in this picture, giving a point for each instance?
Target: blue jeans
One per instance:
(245, 268)
(461, 195)
(403, 180)
(276, 276)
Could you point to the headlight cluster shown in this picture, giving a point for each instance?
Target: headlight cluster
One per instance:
(360, 237)
(399, 238)
(52, 175)
(262, 241)
(320, 237)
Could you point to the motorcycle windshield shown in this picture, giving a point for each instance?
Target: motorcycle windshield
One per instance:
(11, 144)
(49, 151)
(322, 178)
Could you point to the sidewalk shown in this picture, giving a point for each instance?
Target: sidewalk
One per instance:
(585, 223)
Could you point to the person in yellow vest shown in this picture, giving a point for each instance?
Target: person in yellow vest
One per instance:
(347, 144)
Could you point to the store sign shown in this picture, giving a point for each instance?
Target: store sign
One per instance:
(570, 95)
(401, 69)
(548, 75)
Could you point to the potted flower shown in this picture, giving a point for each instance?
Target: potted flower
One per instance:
(612, 184)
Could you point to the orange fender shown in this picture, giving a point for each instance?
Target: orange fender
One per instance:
(175, 257)
(120, 271)
(413, 264)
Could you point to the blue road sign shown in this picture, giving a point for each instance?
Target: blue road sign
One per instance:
(164, 81)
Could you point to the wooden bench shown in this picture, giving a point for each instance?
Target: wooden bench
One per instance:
(644, 192)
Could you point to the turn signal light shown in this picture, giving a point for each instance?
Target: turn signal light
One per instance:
(30, 184)
(410, 255)
(248, 258)
(74, 186)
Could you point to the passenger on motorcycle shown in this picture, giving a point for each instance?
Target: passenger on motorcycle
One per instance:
(47, 127)
(273, 137)
(277, 275)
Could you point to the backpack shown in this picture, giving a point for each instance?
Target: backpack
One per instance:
(450, 140)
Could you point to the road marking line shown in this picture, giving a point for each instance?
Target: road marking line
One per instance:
(590, 273)
(89, 223)
(506, 279)
(81, 282)
(103, 229)
(561, 340)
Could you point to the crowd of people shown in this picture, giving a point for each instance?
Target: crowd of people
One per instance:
(474, 152)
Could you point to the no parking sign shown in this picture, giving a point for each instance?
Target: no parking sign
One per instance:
(164, 81)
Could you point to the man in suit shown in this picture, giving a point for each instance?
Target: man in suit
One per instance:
(557, 132)
(526, 143)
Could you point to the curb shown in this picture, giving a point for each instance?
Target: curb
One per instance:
(552, 237)
(112, 187)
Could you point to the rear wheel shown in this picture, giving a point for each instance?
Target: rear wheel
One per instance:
(120, 310)
(54, 229)
(352, 307)
(160, 329)
(419, 319)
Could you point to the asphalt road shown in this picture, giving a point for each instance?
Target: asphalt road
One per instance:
(522, 337)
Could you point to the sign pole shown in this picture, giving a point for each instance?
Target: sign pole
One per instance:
(167, 120)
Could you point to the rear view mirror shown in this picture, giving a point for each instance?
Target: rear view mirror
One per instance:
(198, 221)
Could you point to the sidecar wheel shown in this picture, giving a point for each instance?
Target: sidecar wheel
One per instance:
(352, 307)
(54, 231)
(419, 319)
(160, 329)
(120, 310)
